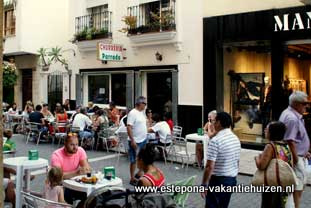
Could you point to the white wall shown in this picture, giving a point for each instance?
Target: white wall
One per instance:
(189, 59)
(44, 24)
(224, 7)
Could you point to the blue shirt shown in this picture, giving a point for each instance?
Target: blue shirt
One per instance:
(295, 130)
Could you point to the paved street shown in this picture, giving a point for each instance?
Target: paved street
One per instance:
(173, 172)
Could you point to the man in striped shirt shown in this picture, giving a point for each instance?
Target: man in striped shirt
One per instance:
(223, 156)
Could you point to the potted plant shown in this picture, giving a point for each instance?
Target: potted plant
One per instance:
(9, 75)
(102, 33)
(45, 64)
(56, 56)
(130, 22)
(163, 21)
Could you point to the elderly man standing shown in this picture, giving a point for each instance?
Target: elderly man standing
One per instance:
(137, 133)
(222, 166)
(72, 159)
(297, 138)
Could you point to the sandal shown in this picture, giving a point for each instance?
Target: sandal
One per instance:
(134, 182)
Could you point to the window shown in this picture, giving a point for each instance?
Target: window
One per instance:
(9, 22)
(118, 89)
(99, 89)
(154, 16)
(99, 9)
(99, 18)
(105, 88)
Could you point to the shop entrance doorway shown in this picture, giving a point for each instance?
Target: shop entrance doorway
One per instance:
(27, 85)
(159, 92)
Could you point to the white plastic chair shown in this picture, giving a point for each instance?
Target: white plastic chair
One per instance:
(31, 201)
(33, 130)
(60, 135)
(177, 130)
(180, 150)
(167, 148)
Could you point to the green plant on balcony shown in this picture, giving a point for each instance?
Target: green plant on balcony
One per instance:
(44, 60)
(9, 74)
(56, 56)
(46, 57)
(90, 34)
(130, 22)
(163, 20)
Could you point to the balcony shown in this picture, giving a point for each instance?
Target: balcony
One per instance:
(152, 23)
(90, 28)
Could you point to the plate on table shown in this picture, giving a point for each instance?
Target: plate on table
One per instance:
(87, 180)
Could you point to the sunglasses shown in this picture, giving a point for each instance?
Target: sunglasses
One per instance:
(70, 134)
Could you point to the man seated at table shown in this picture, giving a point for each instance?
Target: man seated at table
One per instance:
(83, 122)
(72, 159)
(210, 130)
(162, 130)
(37, 117)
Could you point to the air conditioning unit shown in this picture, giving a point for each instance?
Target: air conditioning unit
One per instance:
(306, 2)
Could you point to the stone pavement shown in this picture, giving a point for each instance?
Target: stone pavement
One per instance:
(173, 172)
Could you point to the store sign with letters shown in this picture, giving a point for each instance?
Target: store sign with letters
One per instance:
(109, 52)
(291, 22)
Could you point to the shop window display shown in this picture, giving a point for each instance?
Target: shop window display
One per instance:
(250, 103)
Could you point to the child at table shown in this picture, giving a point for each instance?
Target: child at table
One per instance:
(53, 190)
(9, 145)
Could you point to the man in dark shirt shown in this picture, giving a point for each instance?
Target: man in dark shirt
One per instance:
(37, 117)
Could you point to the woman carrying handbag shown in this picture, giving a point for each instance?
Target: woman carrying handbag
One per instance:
(279, 149)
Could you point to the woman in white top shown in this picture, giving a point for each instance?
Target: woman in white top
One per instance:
(13, 109)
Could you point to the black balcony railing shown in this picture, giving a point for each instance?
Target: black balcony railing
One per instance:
(94, 26)
(151, 18)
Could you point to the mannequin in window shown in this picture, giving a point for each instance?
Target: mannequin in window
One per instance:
(286, 92)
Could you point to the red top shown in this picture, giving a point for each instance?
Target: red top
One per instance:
(170, 123)
(155, 182)
(62, 118)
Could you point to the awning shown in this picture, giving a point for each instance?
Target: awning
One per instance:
(146, 1)
(95, 3)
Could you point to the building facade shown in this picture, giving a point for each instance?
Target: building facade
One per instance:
(28, 26)
(163, 58)
(258, 57)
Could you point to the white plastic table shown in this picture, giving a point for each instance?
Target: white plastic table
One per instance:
(20, 164)
(88, 188)
(70, 112)
(193, 139)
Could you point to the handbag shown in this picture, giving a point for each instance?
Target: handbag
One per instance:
(278, 173)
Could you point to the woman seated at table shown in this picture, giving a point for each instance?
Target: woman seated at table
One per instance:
(61, 117)
(153, 176)
(150, 121)
(28, 110)
(45, 111)
(48, 116)
(13, 109)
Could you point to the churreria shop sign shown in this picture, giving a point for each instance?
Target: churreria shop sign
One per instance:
(291, 22)
(109, 52)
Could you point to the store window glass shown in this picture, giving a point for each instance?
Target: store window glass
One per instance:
(118, 89)
(99, 89)
(297, 75)
(247, 88)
